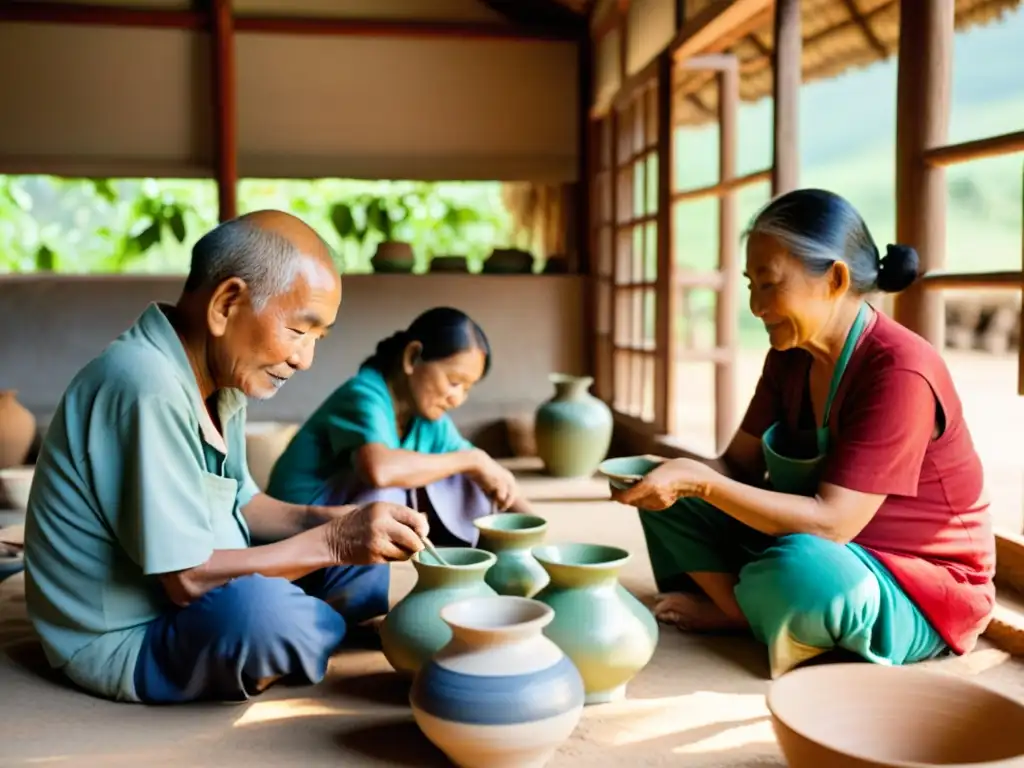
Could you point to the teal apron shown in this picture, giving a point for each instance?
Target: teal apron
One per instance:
(801, 476)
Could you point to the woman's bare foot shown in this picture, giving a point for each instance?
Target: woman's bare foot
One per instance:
(694, 613)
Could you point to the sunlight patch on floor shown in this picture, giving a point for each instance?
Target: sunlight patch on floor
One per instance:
(268, 711)
(749, 734)
(641, 720)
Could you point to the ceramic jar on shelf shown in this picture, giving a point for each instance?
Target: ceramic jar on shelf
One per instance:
(500, 694)
(413, 630)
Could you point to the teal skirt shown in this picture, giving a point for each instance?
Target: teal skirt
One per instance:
(802, 595)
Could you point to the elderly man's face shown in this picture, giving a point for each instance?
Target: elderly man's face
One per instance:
(259, 351)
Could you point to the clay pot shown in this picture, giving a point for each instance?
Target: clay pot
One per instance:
(870, 716)
(621, 634)
(511, 537)
(413, 630)
(448, 264)
(508, 261)
(15, 486)
(500, 694)
(17, 429)
(393, 256)
(573, 429)
(522, 439)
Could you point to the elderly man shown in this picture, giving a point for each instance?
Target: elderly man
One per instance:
(155, 569)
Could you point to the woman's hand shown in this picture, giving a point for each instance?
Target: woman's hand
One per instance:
(496, 481)
(663, 486)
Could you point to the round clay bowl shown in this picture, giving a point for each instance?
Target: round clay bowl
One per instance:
(626, 470)
(871, 716)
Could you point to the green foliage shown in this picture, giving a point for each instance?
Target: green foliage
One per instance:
(149, 225)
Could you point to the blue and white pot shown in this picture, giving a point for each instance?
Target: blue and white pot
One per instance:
(500, 694)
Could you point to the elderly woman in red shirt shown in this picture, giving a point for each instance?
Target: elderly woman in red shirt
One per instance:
(849, 510)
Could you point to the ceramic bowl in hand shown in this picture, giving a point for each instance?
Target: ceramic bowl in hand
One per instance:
(871, 716)
(627, 470)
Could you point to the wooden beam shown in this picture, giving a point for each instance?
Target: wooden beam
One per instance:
(102, 15)
(787, 76)
(722, 187)
(718, 26)
(45, 12)
(727, 304)
(541, 14)
(715, 62)
(865, 25)
(923, 87)
(225, 109)
(994, 146)
(339, 27)
(946, 280)
(665, 295)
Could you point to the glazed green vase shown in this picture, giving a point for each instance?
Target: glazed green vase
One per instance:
(607, 633)
(413, 630)
(573, 429)
(510, 537)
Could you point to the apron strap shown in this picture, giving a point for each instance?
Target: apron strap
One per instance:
(859, 324)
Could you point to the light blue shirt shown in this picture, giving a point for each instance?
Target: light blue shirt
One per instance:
(133, 480)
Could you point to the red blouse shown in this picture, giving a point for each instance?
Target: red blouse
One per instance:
(933, 531)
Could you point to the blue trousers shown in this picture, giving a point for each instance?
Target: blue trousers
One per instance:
(254, 628)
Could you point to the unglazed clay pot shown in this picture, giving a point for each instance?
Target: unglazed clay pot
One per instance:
(510, 537)
(870, 716)
(573, 429)
(500, 694)
(609, 635)
(413, 631)
(17, 430)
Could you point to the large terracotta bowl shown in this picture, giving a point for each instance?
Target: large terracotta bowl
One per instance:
(870, 716)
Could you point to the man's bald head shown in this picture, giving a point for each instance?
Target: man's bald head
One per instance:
(266, 249)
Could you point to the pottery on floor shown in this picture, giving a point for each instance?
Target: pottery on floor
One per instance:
(872, 716)
(609, 634)
(413, 630)
(500, 694)
(17, 430)
(265, 441)
(15, 486)
(625, 471)
(511, 536)
(573, 429)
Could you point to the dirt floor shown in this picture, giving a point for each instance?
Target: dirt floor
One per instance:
(699, 703)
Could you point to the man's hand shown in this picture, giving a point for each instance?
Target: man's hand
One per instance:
(496, 481)
(377, 533)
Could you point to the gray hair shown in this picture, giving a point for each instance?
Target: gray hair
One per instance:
(266, 261)
(820, 228)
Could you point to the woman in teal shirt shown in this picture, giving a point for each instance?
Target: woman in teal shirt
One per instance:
(385, 434)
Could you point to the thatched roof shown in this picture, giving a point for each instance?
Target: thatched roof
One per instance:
(838, 35)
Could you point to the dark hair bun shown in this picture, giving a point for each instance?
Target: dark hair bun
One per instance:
(394, 345)
(897, 270)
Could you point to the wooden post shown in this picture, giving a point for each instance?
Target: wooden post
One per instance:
(922, 123)
(786, 77)
(727, 305)
(666, 310)
(225, 109)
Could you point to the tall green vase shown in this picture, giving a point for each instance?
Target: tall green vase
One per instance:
(607, 633)
(573, 429)
(413, 630)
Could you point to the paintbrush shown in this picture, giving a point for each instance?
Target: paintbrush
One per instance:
(426, 542)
